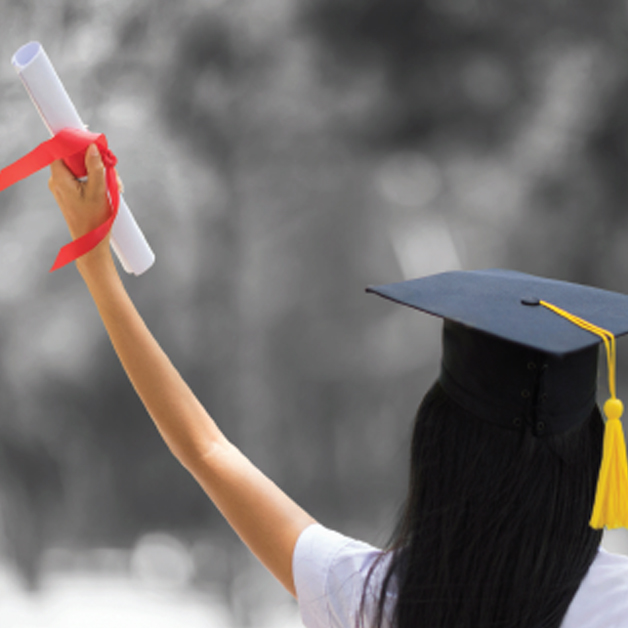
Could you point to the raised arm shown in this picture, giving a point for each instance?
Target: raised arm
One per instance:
(264, 517)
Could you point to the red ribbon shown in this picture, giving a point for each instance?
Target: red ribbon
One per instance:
(70, 145)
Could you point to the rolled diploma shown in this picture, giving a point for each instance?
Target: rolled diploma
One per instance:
(58, 112)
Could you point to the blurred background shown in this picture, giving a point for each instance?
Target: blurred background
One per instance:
(279, 155)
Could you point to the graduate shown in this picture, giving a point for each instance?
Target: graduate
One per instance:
(513, 471)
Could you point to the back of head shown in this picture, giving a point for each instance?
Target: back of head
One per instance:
(495, 528)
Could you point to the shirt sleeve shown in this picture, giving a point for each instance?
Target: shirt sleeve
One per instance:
(602, 599)
(330, 570)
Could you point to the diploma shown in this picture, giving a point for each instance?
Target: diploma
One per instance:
(58, 112)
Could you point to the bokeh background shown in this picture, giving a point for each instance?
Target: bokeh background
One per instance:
(279, 155)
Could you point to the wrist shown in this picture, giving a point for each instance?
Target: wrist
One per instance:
(97, 262)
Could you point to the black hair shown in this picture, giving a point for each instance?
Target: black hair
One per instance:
(494, 531)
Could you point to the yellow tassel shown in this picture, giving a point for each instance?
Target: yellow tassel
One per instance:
(611, 499)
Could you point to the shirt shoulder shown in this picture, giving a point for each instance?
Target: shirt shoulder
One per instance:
(330, 571)
(602, 599)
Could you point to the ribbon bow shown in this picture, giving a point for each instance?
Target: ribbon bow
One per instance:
(70, 146)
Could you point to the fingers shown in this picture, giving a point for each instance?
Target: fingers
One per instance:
(84, 203)
(96, 186)
(60, 175)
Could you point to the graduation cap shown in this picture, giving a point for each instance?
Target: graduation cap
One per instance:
(521, 352)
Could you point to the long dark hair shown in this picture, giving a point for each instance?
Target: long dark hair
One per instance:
(494, 531)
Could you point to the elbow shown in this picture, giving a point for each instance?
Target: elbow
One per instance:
(199, 458)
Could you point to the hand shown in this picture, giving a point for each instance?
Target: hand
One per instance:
(84, 204)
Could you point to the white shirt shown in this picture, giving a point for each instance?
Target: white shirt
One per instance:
(330, 571)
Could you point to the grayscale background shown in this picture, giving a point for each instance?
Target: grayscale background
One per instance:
(280, 155)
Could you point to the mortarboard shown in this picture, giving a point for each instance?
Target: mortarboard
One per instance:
(521, 352)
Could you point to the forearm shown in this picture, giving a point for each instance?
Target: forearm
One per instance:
(184, 424)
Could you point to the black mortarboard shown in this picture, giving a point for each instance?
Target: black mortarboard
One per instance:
(510, 360)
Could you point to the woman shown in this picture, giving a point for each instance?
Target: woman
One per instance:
(495, 526)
